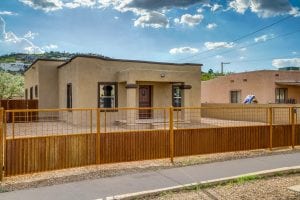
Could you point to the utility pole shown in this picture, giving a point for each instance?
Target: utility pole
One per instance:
(222, 66)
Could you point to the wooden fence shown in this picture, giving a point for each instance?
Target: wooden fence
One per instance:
(14, 104)
(165, 138)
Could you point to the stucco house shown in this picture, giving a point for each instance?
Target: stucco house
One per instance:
(41, 80)
(95, 81)
(268, 86)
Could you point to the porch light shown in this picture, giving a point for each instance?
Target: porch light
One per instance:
(162, 75)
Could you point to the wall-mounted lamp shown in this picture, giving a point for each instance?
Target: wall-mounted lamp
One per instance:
(162, 75)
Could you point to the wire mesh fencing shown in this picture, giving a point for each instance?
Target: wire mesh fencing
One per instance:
(47, 139)
(47, 122)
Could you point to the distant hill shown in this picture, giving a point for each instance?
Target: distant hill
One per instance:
(18, 62)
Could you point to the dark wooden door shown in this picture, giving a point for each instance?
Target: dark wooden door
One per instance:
(145, 101)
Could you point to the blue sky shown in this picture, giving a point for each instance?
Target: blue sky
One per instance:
(198, 31)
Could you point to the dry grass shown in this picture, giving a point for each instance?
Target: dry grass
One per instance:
(255, 188)
(107, 170)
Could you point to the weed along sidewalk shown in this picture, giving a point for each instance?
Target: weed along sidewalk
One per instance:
(277, 186)
(155, 180)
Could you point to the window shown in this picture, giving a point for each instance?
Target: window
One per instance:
(177, 95)
(26, 94)
(69, 95)
(36, 91)
(235, 96)
(107, 95)
(281, 95)
(31, 93)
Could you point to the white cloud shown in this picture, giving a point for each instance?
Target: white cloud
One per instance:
(54, 5)
(265, 8)
(242, 57)
(4, 12)
(50, 47)
(116, 17)
(30, 35)
(150, 5)
(153, 19)
(200, 10)
(45, 5)
(216, 7)
(190, 20)
(80, 3)
(211, 26)
(11, 42)
(263, 38)
(218, 56)
(243, 49)
(288, 62)
(214, 45)
(183, 50)
(294, 53)
(240, 6)
(150, 13)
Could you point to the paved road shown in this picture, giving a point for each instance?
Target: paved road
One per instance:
(101, 188)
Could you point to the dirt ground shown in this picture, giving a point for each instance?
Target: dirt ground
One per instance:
(56, 127)
(267, 188)
(107, 170)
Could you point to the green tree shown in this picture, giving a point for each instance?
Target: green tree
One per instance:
(11, 85)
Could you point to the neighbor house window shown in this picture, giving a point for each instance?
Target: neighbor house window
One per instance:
(26, 94)
(177, 93)
(69, 95)
(36, 91)
(31, 93)
(281, 95)
(107, 95)
(235, 96)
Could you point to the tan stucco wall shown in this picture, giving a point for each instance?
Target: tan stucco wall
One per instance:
(44, 75)
(248, 112)
(259, 83)
(66, 75)
(48, 84)
(85, 73)
(31, 79)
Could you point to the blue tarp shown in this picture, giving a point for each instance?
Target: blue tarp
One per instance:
(249, 99)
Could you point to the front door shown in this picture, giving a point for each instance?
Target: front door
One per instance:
(145, 101)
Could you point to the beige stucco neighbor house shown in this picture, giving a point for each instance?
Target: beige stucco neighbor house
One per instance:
(94, 81)
(268, 86)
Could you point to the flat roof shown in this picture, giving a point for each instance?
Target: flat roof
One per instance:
(43, 59)
(125, 60)
(294, 83)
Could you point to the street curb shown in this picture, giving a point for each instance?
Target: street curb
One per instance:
(264, 173)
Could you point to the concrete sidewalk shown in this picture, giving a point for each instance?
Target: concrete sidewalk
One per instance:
(105, 187)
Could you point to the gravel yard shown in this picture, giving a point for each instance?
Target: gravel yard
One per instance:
(107, 170)
(266, 188)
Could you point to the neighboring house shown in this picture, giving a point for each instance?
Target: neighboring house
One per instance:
(94, 81)
(268, 86)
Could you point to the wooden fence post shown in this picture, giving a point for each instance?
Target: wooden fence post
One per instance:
(171, 128)
(1, 143)
(98, 138)
(91, 121)
(293, 109)
(271, 127)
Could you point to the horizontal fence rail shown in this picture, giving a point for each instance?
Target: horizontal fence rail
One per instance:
(37, 140)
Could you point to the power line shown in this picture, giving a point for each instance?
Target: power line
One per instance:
(241, 37)
(250, 45)
(256, 60)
